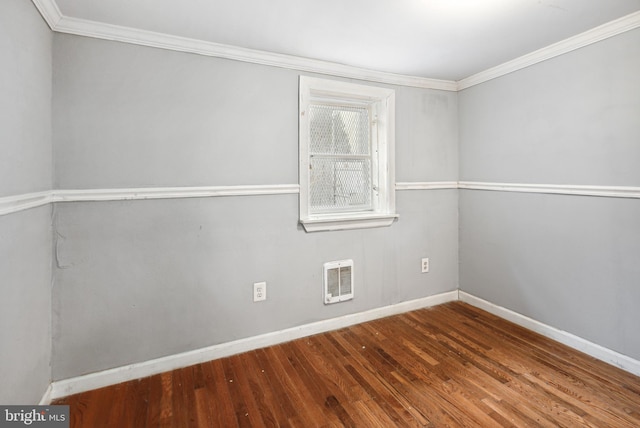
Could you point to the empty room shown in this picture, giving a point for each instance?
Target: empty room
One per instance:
(331, 213)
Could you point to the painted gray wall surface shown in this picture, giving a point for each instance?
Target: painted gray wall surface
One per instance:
(426, 135)
(568, 261)
(25, 287)
(138, 280)
(573, 119)
(25, 104)
(127, 116)
(25, 237)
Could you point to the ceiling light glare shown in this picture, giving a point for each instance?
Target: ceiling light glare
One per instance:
(469, 8)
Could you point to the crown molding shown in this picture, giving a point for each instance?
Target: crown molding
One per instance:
(98, 30)
(82, 27)
(610, 29)
(49, 11)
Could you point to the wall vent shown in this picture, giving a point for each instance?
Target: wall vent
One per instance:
(338, 281)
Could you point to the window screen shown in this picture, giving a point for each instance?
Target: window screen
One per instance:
(340, 158)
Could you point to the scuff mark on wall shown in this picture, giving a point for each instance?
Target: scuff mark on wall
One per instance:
(58, 242)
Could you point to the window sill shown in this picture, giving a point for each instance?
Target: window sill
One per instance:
(347, 222)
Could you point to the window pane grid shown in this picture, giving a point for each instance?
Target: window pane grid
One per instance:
(346, 138)
(340, 183)
(340, 158)
(339, 130)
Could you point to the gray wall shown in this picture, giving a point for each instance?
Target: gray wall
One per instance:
(25, 236)
(137, 280)
(568, 261)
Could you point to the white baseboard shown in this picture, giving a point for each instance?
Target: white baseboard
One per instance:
(46, 397)
(597, 351)
(116, 375)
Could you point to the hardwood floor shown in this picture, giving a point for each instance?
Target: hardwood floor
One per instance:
(451, 365)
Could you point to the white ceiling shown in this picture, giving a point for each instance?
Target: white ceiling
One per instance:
(439, 39)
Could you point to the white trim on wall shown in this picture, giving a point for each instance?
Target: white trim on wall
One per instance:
(82, 27)
(116, 375)
(49, 11)
(426, 185)
(600, 352)
(65, 387)
(610, 29)
(17, 203)
(46, 397)
(560, 189)
(98, 30)
(129, 194)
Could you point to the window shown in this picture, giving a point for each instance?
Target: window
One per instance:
(346, 155)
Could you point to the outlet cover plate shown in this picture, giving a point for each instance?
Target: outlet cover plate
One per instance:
(259, 291)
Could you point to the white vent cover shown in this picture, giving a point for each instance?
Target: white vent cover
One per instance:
(338, 281)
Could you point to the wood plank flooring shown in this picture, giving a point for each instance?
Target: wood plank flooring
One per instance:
(448, 366)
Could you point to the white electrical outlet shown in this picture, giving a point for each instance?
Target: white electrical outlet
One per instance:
(259, 291)
(425, 265)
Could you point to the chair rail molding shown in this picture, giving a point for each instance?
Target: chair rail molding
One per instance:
(16, 203)
(558, 189)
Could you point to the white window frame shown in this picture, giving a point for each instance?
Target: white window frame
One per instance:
(381, 102)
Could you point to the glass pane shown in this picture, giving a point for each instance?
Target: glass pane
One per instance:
(339, 129)
(340, 183)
